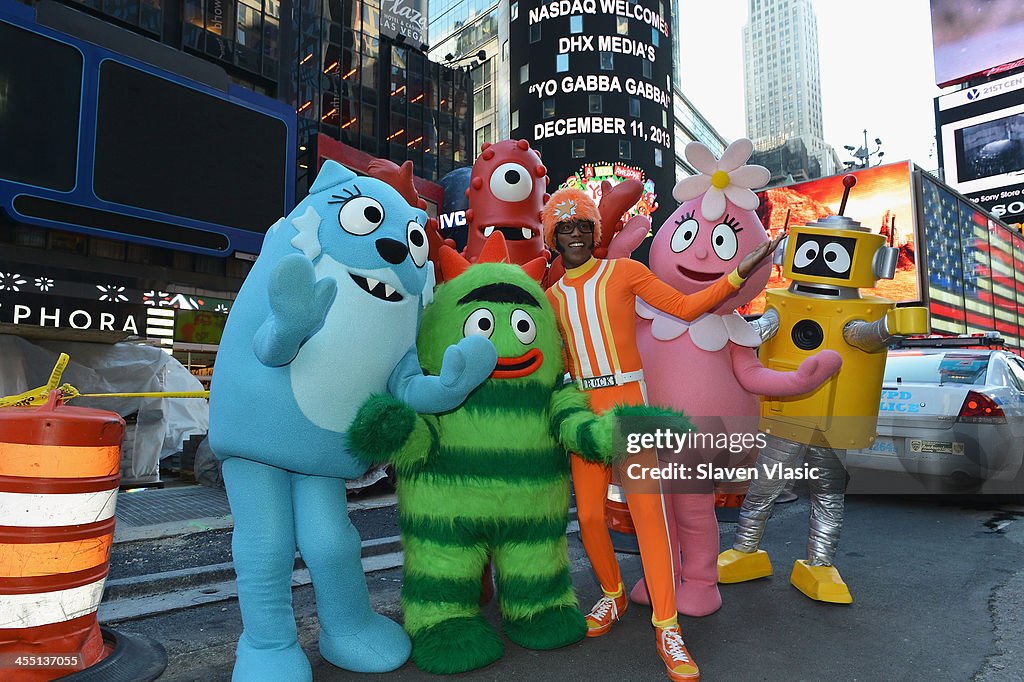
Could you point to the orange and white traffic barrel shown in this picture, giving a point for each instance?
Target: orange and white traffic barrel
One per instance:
(59, 475)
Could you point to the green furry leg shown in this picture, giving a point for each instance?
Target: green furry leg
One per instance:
(457, 645)
(550, 629)
(536, 595)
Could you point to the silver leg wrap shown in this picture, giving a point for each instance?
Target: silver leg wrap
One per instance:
(828, 493)
(757, 505)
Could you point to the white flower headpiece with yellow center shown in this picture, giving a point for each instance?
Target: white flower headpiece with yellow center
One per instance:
(721, 179)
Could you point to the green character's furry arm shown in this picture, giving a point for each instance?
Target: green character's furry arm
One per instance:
(388, 430)
(591, 437)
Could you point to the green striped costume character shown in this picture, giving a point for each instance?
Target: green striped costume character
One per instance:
(490, 477)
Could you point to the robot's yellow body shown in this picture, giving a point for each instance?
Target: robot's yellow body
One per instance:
(828, 261)
(843, 411)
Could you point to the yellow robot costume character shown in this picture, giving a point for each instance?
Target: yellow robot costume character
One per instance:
(827, 261)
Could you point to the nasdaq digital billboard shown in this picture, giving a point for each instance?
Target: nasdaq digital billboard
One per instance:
(592, 90)
(981, 145)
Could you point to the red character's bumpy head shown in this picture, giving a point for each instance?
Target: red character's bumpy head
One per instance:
(506, 194)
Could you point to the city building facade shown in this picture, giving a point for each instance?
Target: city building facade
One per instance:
(169, 135)
(782, 84)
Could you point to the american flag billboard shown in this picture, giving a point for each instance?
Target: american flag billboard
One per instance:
(973, 265)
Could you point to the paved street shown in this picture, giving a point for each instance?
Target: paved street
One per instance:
(938, 586)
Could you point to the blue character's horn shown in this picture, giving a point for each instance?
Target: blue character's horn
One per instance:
(331, 174)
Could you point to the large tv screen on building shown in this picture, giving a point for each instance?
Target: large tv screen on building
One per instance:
(981, 145)
(46, 116)
(193, 152)
(972, 37)
(94, 141)
(882, 201)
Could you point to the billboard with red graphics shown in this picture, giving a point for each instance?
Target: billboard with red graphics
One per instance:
(882, 201)
(961, 262)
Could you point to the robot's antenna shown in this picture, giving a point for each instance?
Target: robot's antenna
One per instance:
(785, 225)
(848, 182)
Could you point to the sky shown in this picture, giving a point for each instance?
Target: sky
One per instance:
(876, 72)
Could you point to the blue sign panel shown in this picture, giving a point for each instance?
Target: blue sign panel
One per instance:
(99, 142)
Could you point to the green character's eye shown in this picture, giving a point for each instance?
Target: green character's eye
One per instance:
(524, 327)
(479, 323)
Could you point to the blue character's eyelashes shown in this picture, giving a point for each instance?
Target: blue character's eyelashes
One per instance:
(348, 194)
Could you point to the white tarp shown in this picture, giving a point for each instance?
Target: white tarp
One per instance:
(162, 423)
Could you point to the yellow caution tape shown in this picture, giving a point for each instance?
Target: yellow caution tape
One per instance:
(38, 396)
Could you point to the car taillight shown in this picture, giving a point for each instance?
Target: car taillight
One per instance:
(978, 408)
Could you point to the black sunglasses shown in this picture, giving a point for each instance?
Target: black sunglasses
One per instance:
(568, 226)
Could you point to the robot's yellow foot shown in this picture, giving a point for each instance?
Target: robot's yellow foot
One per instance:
(738, 567)
(822, 583)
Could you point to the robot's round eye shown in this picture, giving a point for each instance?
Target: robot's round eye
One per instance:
(511, 182)
(723, 241)
(417, 238)
(836, 258)
(523, 326)
(361, 215)
(806, 254)
(684, 235)
(479, 323)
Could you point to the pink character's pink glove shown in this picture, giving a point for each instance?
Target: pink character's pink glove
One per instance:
(815, 370)
(758, 379)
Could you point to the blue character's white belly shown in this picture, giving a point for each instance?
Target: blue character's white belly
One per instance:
(355, 351)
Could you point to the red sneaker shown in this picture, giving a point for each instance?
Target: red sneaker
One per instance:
(672, 649)
(606, 612)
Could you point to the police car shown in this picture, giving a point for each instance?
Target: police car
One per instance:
(951, 410)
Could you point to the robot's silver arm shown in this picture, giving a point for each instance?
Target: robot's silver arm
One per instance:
(767, 325)
(870, 337)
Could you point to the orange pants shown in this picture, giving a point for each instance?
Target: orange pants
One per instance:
(590, 481)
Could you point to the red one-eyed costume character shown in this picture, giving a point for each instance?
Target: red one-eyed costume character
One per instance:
(507, 191)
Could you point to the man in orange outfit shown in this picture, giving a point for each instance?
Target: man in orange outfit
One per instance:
(595, 305)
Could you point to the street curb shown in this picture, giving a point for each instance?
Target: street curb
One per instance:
(124, 533)
(144, 595)
(187, 578)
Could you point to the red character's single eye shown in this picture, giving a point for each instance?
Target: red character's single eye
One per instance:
(511, 182)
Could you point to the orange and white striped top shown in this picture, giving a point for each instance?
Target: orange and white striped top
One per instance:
(595, 305)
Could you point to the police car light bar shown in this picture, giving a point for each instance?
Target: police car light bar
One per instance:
(987, 339)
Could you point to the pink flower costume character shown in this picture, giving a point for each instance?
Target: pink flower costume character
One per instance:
(709, 368)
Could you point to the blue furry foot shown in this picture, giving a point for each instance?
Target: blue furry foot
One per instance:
(273, 665)
(381, 646)
(456, 645)
(549, 629)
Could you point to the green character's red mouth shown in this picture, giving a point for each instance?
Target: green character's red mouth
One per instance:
(513, 368)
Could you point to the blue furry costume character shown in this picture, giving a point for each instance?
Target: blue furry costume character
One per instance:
(327, 317)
